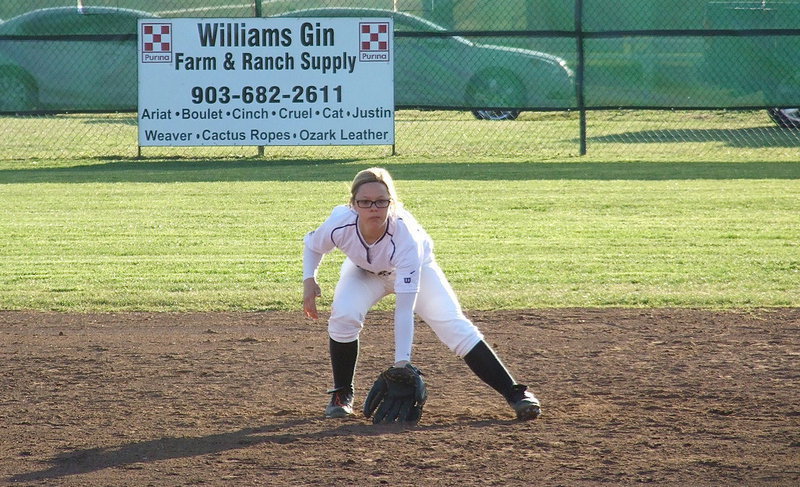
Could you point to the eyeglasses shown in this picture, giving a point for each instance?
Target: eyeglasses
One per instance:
(369, 203)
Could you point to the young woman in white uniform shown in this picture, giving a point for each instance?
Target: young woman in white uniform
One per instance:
(389, 252)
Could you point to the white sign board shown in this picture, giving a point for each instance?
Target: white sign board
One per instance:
(266, 81)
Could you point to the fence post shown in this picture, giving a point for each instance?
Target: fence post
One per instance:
(257, 14)
(579, 74)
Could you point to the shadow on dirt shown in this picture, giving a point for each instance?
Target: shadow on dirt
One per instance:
(94, 459)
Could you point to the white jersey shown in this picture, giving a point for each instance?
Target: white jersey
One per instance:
(402, 249)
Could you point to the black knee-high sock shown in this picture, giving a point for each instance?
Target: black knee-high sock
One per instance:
(488, 367)
(343, 360)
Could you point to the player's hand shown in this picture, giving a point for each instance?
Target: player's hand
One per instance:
(311, 292)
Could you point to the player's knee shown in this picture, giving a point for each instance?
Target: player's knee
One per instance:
(344, 327)
(460, 336)
(467, 344)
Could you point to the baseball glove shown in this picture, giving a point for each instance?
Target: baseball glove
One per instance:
(398, 394)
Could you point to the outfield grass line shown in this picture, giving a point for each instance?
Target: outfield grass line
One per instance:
(254, 171)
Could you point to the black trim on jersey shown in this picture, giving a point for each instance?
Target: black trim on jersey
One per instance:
(339, 228)
(364, 242)
(394, 246)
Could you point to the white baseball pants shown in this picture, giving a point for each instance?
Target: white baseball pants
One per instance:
(358, 290)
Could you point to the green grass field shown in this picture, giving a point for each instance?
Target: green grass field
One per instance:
(646, 135)
(205, 234)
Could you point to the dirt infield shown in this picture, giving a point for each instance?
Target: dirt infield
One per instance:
(669, 396)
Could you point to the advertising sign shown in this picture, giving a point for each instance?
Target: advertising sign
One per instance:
(266, 81)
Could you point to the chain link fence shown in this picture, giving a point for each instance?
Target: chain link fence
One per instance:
(536, 78)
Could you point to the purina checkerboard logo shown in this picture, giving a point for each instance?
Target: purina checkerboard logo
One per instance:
(156, 43)
(374, 41)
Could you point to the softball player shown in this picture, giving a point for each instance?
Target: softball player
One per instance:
(387, 251)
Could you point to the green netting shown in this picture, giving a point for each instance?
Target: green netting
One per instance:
(483, 58)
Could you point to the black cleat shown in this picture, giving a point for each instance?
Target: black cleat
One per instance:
(524, 403)
(341, 404)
